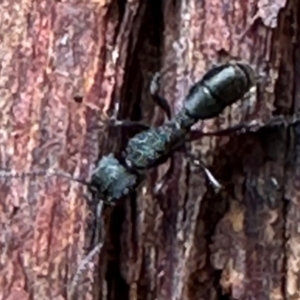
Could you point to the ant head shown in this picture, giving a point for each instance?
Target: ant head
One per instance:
(111, 180)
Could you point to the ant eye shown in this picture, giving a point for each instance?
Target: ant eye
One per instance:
(125, 191)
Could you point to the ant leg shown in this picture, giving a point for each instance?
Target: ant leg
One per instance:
(127, 123)
(214, 182)
(159, 100)
(158, 186)
(199, 163)
(114, 122)
(95, 198)
(241, 128)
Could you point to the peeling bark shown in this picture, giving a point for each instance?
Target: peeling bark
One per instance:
(191, 243)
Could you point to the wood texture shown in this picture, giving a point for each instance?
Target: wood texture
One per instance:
(190, 243)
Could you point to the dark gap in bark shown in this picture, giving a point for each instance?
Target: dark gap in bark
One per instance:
(149, 31)
(220, 293)
(116, 285)
(285, 83)
(213, 208)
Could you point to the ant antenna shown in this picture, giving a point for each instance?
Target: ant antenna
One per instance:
(15, 174)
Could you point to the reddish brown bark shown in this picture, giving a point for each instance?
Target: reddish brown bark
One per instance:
(53, 51)
(191, 243)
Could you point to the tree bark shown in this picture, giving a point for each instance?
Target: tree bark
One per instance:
(66, 67)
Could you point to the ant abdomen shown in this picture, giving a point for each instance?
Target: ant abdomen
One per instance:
(219, 88)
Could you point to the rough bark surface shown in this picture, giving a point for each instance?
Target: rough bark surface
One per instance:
(190, 243)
